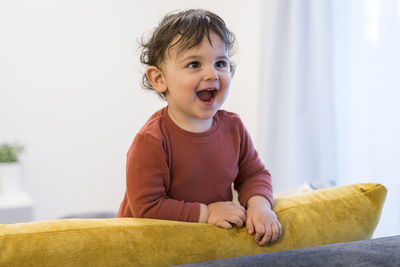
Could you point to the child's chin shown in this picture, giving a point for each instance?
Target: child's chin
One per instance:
(207, 115)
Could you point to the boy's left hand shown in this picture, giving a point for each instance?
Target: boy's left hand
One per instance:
(262, 220)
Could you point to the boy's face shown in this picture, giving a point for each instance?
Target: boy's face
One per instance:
(196, 81)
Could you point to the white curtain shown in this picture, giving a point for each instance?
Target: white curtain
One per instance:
(330, 106)
(367, 94)
(297, 105)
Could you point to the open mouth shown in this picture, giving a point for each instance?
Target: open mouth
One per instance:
(206, 95)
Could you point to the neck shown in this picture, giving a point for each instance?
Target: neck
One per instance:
(194, 125)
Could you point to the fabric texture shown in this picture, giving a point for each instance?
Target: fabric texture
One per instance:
(171, 171)
(325, 216)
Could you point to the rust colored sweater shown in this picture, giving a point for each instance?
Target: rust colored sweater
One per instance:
(171, 171)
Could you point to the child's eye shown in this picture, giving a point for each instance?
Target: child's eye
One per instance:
(221, 64)
(194, 65)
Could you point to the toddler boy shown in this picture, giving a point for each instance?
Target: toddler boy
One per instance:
(183, 161)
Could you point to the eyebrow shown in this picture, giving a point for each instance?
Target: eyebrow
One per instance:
(198, 57)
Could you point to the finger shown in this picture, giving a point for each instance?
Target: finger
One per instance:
(224, 224)
(236, 220)
(280, 230)
(240, 207)
(242, 215)
(239, 210)
(260, 231)
(267, 236)
(275, 232)
(250, 226)
(258, 237)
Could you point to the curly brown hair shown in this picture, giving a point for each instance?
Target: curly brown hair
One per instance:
(191, 26)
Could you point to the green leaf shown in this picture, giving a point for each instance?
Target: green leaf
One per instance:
(10, 152)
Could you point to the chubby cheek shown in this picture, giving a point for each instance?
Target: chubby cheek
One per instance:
(189, 87)
(225, 85)
(182, 90)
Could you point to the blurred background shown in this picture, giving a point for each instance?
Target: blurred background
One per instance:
(317, 86)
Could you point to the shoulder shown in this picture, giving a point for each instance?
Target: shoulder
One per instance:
(153, 128)
(151, 135)
(230, 119)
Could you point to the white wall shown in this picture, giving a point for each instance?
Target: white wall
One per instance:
(69, 91)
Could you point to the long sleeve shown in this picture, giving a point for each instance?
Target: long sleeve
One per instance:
(148, 181)
(171, 171)
(253, 179)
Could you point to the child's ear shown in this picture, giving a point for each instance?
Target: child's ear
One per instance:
(156, 78)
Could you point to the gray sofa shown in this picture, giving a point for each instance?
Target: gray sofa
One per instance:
(374, 252)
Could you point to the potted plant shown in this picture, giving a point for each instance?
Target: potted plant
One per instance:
(10, 181)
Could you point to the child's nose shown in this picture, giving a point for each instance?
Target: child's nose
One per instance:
(210, 73)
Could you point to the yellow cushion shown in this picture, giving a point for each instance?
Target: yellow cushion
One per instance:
(325, 216)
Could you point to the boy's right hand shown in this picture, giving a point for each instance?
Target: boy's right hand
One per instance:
(224, 214)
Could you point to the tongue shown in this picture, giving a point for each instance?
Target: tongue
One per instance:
(205, 95)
